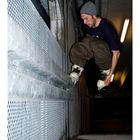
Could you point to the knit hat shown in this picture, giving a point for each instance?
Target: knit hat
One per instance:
(88, 8)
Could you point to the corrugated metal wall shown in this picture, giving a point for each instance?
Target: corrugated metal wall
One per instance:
(39, 92)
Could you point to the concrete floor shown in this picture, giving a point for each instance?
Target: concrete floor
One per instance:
(104, 137)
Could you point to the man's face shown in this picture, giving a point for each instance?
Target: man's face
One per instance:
(89, 20)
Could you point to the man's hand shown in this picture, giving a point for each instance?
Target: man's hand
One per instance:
(108, 80)
(115, 57)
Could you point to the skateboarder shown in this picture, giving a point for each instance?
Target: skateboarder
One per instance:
(100, 27)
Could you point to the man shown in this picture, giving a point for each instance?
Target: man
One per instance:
(101, 28)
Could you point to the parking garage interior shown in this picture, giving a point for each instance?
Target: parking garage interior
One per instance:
(43, 103)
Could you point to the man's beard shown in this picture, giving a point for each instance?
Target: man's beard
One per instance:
(94, 23)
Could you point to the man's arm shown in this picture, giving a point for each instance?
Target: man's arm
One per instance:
(115, 57)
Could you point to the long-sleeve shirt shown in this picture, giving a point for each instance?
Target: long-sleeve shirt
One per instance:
(106, 32)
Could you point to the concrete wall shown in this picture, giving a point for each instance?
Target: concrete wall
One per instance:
(42, 102)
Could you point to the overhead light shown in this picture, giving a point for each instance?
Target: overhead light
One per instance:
(124, 30)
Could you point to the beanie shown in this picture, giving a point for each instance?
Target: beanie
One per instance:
(88, 8)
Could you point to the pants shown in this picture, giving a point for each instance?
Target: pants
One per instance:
(89, 48)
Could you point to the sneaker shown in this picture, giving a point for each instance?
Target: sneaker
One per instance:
(100, 83)
(76, 73)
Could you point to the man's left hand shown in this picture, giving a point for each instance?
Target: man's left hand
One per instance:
(108, 80)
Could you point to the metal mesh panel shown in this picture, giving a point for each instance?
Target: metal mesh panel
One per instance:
(24, 120)
(55, 120)
(42, 120)
(22, 12)
(30, 117)
(25, 14)
(36, 120)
